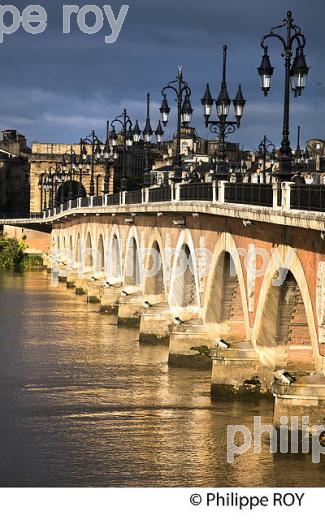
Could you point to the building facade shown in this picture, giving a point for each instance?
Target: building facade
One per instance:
(14, 174)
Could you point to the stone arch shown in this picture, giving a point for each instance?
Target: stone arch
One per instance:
(225, 306)
(67, 188)
(154, 280)
(184, 288)
(77, 249)
(114, 268)
(132, 263)
(100, 256)
(89, 259)
(285, 331)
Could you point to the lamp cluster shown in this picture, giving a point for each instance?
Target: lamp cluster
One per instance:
(216, 111)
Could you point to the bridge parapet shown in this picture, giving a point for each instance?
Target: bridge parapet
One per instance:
(286, 204)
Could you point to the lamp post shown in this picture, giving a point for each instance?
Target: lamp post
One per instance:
(265, 147)
(222, 127)
(107, 160)
(126, 125)
(96, 154)
(298, 154)
(147, 136)
(296, 73)
(70, 158)
(41, 187)
(184, 115)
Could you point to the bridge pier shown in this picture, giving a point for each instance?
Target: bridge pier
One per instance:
(94, 290)
(237, 372)
(72, 279)
(190, 345)
(154, 324)
(109, 299)
(305, 398)
(130, 304)
(81, 286)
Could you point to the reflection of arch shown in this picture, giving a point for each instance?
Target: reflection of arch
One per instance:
(88, 254)
(65, 186)
(70, 244)
(100, 256)
(285, 311)
(184, 289)
(132, 265)
(225, 306)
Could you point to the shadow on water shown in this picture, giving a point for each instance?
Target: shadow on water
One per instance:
(82, 404)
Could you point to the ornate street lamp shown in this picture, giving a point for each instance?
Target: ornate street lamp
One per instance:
(147, 136)
(184, 115)
(127, 132)
(265, 147)
(96, 155)
(69, 158)
(107, 160)
(296, 73)
(222, 127)
(55, 177)
(41, 187)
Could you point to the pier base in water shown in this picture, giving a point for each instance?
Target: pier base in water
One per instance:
(189, 345)
(109, 298)
(130, 304)
(154, 324)
(303, 398)
(236, 372)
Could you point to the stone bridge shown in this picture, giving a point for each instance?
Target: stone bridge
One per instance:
(233, 286)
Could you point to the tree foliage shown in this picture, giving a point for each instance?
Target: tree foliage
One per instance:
(11, 253)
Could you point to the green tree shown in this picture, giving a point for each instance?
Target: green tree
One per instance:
(11, 253)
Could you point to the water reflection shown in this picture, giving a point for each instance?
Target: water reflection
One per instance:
(82, 404)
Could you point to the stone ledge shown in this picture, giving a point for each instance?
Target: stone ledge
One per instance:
(293, 218)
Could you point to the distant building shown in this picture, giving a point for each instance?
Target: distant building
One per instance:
(48, 157)
(14, 174)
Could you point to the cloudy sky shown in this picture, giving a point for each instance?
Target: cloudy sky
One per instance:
(56, 87)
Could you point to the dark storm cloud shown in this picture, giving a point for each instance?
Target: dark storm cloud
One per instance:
(57, 87)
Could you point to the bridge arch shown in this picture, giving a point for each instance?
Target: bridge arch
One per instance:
(132, 260)
(184, 287)
(100, 256)
(88, 254)
(154, 272)
(77, 250)
(114, 267)
(285, 329)
(225, 307)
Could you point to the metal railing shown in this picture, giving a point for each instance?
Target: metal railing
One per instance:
(84, 203)
(133, 197)
(98, 201)
(287, 196)
(250, 194)
(196, 191)
(307, 197)
(114, 199)
(34, 215)
(160, 194)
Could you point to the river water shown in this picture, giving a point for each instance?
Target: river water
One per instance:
(82, 404)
